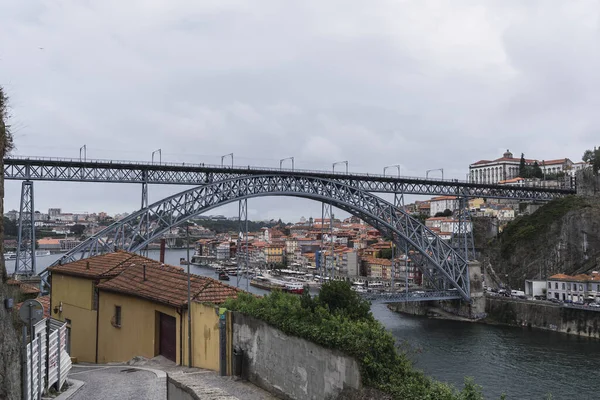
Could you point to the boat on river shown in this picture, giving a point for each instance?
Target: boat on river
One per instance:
(294, 288)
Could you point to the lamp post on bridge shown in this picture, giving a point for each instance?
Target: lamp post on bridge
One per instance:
(285, 159)
(225, 156)
(159, 151)
(432, 170)
(340, 162)
(392, 166)
(84, 150)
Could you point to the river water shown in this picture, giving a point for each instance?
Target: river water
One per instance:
(521, 363)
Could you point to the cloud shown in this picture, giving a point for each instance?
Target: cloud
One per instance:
(424, 84)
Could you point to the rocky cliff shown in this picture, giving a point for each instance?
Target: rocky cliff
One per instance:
(563, 236)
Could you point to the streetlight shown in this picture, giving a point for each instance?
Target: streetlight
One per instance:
(225, 156)
(435, 169)
(284, 159)
(341, 162)
(392, 166)
(84, 149)
(159, 151)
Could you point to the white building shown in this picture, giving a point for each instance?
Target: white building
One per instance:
(535, 288)
(576, 288)
(443, 203)
(506, 168)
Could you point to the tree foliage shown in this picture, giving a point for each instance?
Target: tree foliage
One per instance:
(337, 318)
(446, 213)
(77, 229)
(592, 157)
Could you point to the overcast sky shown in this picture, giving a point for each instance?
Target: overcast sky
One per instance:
(426, 84)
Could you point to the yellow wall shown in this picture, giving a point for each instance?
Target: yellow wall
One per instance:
(71, 290)
(205, 337)
(137, 335)
(76, 297)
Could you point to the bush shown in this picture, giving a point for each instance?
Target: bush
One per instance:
(339, 319)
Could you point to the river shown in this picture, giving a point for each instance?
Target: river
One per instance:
(521, 363)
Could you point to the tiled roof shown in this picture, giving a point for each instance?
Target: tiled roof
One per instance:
(24, 288)
(576, 278)
(167, 284)
(102, 266)
(44, 300)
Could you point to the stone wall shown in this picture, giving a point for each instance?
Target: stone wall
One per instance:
(290, 367)
(10, 353)
(543, 315)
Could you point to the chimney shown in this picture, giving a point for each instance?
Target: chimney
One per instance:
(87, 265)
(144, 267)
(162, 251)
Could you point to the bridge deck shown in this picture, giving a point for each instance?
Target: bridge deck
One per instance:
(56, 169)
(404, 297)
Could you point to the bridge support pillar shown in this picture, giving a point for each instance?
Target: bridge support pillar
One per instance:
(25, 263)
(475, 309)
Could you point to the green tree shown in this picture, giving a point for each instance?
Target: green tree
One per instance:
(339, 297)
(77, 229)
(446, 213)
(10, 227)
(592, 157)
(522, 166)
(536, 171)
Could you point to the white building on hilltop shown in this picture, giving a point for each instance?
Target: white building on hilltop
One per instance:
(506, 168)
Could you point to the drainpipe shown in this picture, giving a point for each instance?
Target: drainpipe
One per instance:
(97, 323)
(162, 251)
(180, 312)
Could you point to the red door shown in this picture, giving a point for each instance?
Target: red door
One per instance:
(167, 337)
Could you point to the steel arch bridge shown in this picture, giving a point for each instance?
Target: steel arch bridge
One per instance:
(134, 232)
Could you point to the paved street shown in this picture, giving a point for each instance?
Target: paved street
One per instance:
(117, 382)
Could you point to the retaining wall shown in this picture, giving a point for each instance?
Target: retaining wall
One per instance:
(290, 367)
(543, 315)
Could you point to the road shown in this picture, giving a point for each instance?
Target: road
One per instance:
(118, 382)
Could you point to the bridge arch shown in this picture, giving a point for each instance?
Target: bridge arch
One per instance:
(134, 232)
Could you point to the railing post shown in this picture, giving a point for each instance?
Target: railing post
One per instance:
(58, 358)
(39, 357)
(24, 371)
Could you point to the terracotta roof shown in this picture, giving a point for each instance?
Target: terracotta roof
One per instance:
(440, 198)
(102, 266)
(576, 278)
(44, 300)
(24, 288)
(513, 180)
(554, 162)
(167, 284)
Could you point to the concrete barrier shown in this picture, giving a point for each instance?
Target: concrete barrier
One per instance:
(290, 367)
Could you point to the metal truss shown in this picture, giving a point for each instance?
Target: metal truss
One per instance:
(404, 297)
(242, 251)
(131, 234)
(25, 262)
(47, 169)
(327, 264)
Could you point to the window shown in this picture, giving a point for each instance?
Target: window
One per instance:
(581, 288)
(574, 286)
(549, 285)
(563, 286)
(117, 317)
(556, 285)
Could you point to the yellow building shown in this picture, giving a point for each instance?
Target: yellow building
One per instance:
(74, 299)
(141, 310)
(274, 254)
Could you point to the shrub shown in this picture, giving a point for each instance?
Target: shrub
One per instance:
(339, 319)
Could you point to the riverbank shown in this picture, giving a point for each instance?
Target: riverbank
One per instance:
(505, 311)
